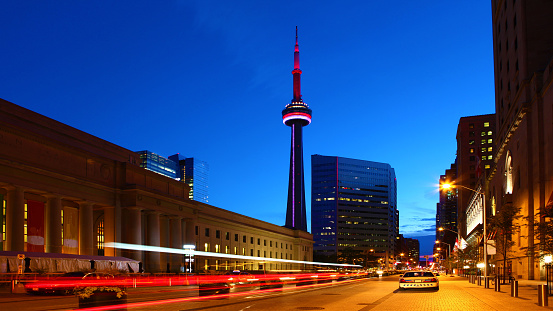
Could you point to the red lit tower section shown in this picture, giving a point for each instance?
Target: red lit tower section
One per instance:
(296, 115)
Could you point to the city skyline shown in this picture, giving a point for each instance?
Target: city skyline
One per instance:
(389, 83)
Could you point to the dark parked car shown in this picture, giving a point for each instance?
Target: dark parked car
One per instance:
(60, 285)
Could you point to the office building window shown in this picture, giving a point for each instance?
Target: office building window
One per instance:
(236, 237)
(207, 232)
(217, 234)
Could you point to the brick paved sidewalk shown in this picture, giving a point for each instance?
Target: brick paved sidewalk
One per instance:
(527, 294)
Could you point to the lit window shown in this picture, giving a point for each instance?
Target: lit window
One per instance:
(483, 141)
(490, 157)
(483, 149)
(487, 166)
(471, 142)
(490, 141)
(490, 149)
(483, 134)
(490, 133)
(471, 150)
(486, 124)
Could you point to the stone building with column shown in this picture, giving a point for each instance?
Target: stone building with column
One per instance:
(68, 192)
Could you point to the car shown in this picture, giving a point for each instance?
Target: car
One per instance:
(67, 282)
(61, 285)
(419, 279)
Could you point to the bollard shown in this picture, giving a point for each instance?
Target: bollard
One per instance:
(497, 283)
(486, 282)
(514, 288)
(542, 295)
(479, 281)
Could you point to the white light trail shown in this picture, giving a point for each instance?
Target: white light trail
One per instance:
(219, 255)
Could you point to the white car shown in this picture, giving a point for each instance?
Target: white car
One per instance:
(419, 279)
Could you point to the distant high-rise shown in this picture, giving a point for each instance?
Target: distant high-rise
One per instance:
(446, 210)
(195, 173)
(296, 115)
(353, 207)
(475, 152)
(156, 163)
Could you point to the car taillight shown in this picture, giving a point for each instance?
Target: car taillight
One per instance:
(431, 280)
(402, 281)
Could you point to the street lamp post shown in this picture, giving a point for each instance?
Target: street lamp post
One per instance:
(485, 238)
(449, 252)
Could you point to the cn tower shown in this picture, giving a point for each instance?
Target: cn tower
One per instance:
(296, 115)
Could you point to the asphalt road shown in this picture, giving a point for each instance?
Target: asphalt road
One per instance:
(364, 294)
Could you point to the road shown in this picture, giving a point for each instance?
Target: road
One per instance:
(365, 294)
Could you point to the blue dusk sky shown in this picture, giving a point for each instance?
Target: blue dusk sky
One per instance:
(387, 81)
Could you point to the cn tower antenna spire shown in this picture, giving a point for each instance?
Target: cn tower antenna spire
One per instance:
(297, 72)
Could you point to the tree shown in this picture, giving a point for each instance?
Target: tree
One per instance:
(468, 256)
(504, 223)
(350, 255)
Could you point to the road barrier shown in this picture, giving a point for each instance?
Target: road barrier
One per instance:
(542, 295)
(514, 288)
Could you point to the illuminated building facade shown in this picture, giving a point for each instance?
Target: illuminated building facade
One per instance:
(67, 192)
(522, 174)
(296, 115)
(353, 207)
(195, 173)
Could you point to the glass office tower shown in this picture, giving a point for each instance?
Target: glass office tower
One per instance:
(195, 173)
(158, 164)
(353, 209)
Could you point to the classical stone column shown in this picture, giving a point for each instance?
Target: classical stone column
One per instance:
(190, 231)
(165, 258)
(176, 242)
(132, 226)
(15, 219)
(86, 228)
(152, 239)
(189, 235)
(54, 242)
(109, 230)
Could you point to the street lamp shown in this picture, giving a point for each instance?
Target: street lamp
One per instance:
(449, 252)
(190, 249)
(446, 186)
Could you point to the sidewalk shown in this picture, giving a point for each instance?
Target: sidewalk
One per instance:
(527, 294)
